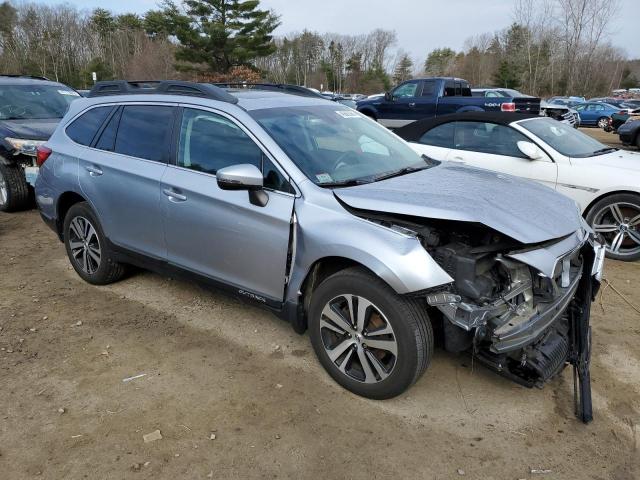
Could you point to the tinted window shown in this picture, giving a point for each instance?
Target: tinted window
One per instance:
(209, 142)
(406, 90)
(449, 89)
(488, 138)
(84, 128)
(108, 135)
(145, 132)
(428, 88)
(440, 136)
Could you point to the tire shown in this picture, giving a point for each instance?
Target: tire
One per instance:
(404, 320)
(603, 122)
(82, 224)
(638, 141)
(617, 219)
(14, 189)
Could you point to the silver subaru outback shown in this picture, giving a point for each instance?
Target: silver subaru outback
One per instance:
(329, 220)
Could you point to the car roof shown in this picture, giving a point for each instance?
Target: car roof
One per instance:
(415, 130)
(262, 99)
(26, 80)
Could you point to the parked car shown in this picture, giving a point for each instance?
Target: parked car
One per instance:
(562, 113)
(30, 109)
(314, 211)
(617, 119)
(430, 97)
(604, 181)
(629, 132)
(595, 114)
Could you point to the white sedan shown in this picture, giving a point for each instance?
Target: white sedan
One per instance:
(604, 181)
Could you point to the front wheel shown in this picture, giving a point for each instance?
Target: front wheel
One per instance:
(617, 219)
(371, 340)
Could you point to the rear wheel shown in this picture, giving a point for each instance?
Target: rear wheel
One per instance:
(603, 122)
(87, 247)
(617, 219)
(14, 189)
(371, 340)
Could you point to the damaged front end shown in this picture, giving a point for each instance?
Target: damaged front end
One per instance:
(523, 310)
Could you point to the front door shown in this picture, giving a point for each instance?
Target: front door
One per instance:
(400, 110)
(494, 147)
(219, 233)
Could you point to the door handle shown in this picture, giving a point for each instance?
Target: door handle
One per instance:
(412, 104)
(457, 160)
(93, 171)
(174, 196)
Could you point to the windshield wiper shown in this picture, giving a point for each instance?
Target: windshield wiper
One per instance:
(430, 162)
(344, 183)
(602, 151)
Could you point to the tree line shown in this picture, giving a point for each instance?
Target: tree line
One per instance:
(552, 47)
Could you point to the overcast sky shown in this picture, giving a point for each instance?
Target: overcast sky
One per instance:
(421, 25)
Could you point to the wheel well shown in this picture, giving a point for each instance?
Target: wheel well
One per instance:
(606, 195)
(319, 271)
(369, 113)
(65, 202)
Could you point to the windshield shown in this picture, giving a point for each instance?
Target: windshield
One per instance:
(335, 145)
(18, 102)
(565, 139)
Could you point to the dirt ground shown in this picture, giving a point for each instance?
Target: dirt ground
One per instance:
(215, 366)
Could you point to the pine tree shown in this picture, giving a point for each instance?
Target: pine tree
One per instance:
(403, 70)
(222, 33)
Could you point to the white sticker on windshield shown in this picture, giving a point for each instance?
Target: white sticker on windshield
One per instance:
(69, 92)
(324, 178)
(348, 113)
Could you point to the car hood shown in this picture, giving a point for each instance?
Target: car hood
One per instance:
(30, 129)
(525, 211)
(620, 160)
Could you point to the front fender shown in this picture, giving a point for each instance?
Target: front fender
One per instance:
(397, 258)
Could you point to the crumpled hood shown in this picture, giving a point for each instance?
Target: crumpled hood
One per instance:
(525, 211)
(31, 129)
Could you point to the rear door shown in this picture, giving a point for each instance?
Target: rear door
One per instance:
(426, 102)
(121, 173)
(494, 147)
(219, 233)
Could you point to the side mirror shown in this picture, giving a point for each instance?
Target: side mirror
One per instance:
(240, 177)
(244, 177)
(388, 97)
(530, 150)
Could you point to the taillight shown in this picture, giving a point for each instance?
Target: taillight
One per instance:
(42, 153)
(508, 107)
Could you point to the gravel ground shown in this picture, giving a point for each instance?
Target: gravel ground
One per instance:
(236, 394)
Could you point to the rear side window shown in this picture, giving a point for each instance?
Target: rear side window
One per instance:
(145, 132)
(428, 88)
(108, 135)
(440, 136)
(84, 128)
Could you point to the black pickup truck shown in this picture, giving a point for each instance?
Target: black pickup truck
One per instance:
(429, 97)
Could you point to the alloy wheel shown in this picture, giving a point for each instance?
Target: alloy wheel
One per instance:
(619, 225)
(603, 122)
(358, 338)
(3, 190)
(84, 245)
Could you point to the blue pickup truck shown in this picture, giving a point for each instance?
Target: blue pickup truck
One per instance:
(429, 97)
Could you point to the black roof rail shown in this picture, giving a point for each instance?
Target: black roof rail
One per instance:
(34, 77)
(273, 87)
(166, 87)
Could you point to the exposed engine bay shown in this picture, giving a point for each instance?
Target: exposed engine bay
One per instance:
(515, 319)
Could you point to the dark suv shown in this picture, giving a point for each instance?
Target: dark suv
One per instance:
(30, 110)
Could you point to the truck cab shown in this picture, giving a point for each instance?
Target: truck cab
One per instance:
(417, 99)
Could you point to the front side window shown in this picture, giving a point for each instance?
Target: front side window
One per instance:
(330, 144)
(488, 138)
(84, 128)
(209, 142)
(26, 102)
(440, 136)
(406, 90)
(145, 132)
